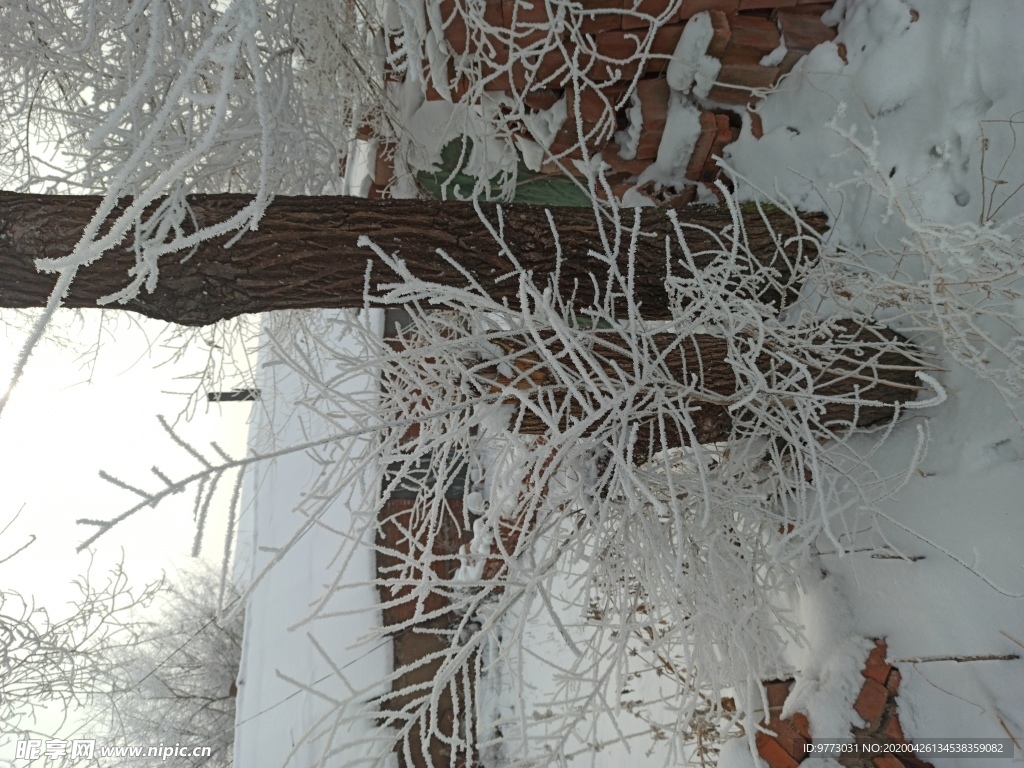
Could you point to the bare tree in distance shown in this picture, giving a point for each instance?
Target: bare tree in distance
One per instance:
(177, 681)
(61, 661)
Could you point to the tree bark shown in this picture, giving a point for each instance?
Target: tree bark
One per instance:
(305, 253)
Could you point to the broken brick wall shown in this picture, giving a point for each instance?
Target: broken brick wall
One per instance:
(621, 48)
(782, 742)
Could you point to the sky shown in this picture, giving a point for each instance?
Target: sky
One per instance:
(75, 413)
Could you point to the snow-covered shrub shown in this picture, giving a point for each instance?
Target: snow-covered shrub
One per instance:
(653, 488)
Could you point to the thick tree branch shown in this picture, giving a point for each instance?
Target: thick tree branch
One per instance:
(305, 253)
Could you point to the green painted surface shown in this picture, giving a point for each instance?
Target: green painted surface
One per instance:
(532, 188)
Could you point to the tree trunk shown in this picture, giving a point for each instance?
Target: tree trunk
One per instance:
(305, 253)
(875, 370)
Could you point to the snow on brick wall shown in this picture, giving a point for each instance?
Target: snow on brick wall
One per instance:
(610, 62)
(783, 743)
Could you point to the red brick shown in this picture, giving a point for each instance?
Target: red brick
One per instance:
(595, 104)
(691, 7)
(384, 168)
(499, 82)
(777, 691)
(803, 32)
(813, 6)
(724, 95)
(494, 66)
(787, 737)
(494, 12)
(529, 21)
(619, 50)
(456, 90)
(567, 140)
(680, 200)
(620, 189)
(746, 74)
(773, 753)
(754, 32)
(871, 701)
(552, 168)
(395, 547)
(618, 56)
(663, 46)
(789, 61)
(524, 12)
(893, 730)
(723, 137)
(893, 683)
(756, 128)
(548, 70)
(744, 55)
(552, 69)
(800, 724)
(722, 33)
(650, 141)
(394, 507)
(610, 154)
(411, 433)
(876, 668)
(649, 144)
(600, 15)
(751, 4)
(618, 182)
(455, 27)
(431, 93)
(653, 95)
(541, 98)
(650, 12)
(456, 32)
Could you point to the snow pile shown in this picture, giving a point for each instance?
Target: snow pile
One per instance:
(691, 70)
(828, 682)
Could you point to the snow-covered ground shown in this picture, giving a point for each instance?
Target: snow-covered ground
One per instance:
(933, 90)
(915, 127)
(287, 687)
